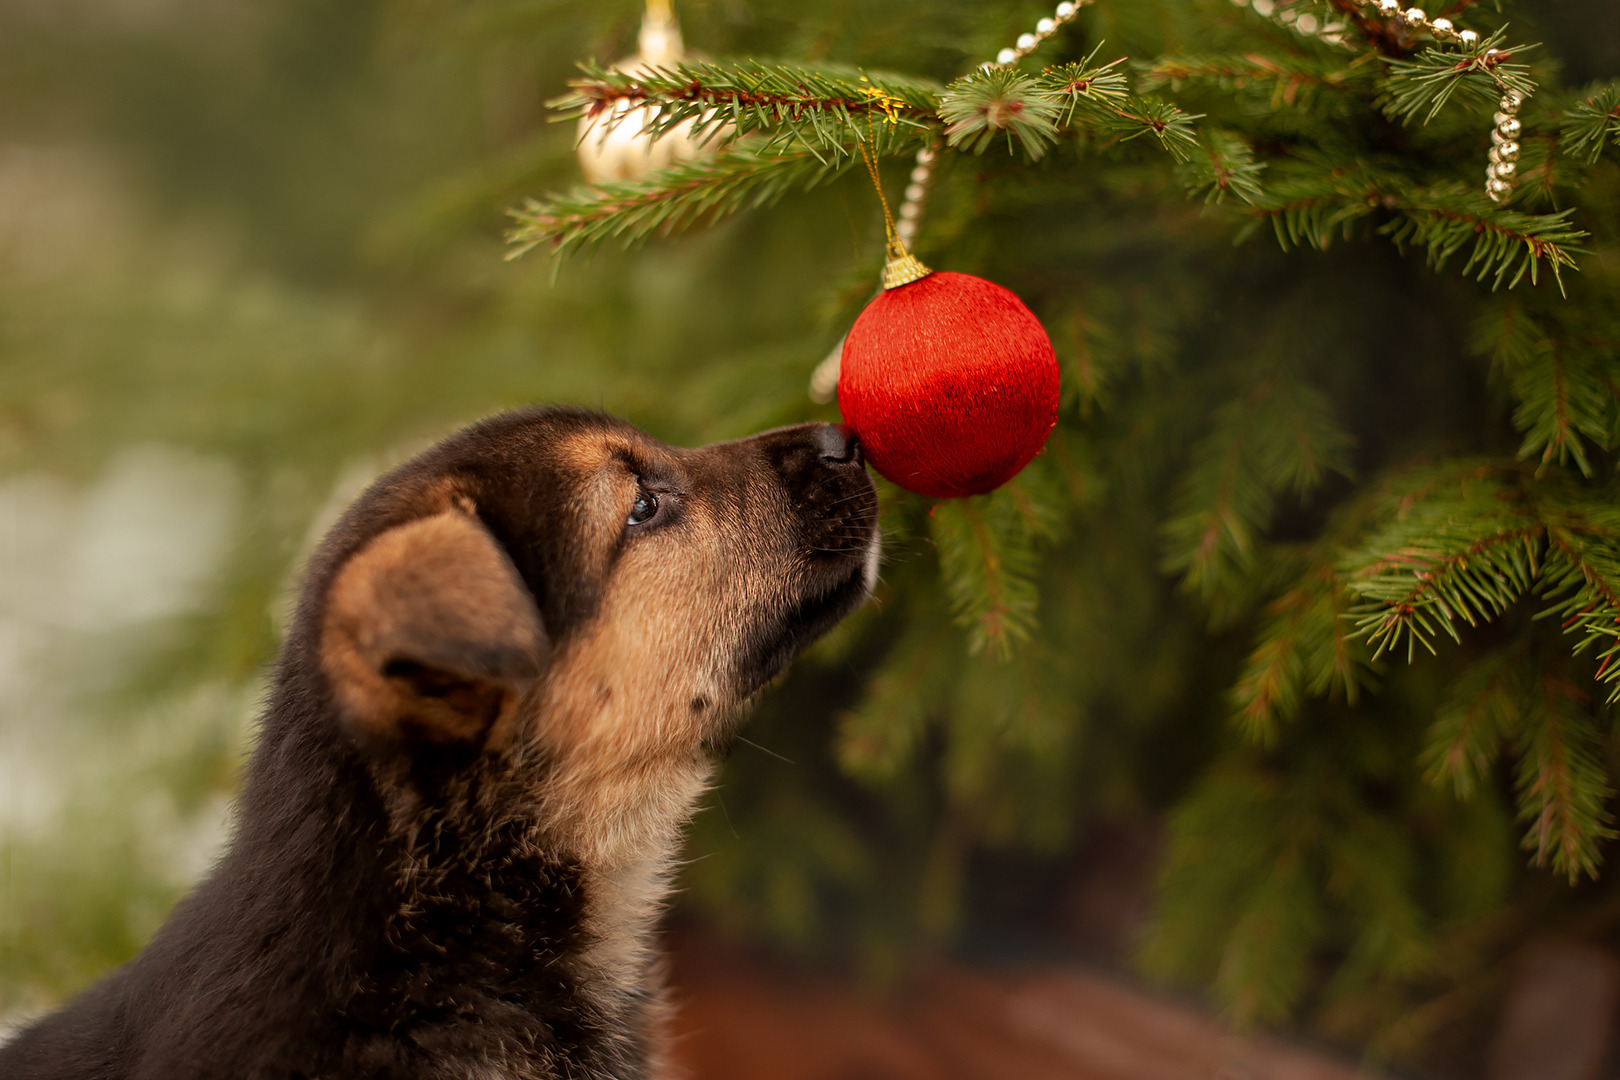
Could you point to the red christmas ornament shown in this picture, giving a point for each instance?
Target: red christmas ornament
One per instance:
(949, 380)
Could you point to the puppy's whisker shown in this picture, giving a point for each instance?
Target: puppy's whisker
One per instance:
(765, 750)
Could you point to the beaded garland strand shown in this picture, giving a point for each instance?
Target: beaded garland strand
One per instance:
(1499, 172)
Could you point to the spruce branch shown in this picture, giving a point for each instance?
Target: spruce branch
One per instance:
(982, 107)
(1032, 109)
(1139, 116)
(1087, 87)
(1314, 201)
(1463, 555)
(826, 108)
(1307, 645)
(1592, 124)
(1224, 164)
(1583, 583)
(1423, 84)
(988, 573)
(1270, 689)
(1507, 244)
(988, 554)
(1313, 641)
(1428, 587)
(1483, 707)
(1562, 787)
(1564, 401)
(1564, 384)
(1312, 219)
(1266, 962)
(808, 122)
(879, 737)
(1240, 902)
(1292, 76)
(1510, 334)
(1374, 871)
(1097, 100)
(1465, 552)
(1306, 648)
(1222, 507)
(739, 177)
(1279, 436)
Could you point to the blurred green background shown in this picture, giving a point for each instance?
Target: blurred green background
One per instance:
(250, 255)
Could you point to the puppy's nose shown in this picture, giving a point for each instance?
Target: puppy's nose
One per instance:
(838, 445)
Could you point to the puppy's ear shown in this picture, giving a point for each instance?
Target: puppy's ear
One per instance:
(430, 632)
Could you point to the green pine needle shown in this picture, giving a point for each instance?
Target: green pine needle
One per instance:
(825, 108)
(1507, 245)
(1001, 102)
(1279, 436)
(1482, 708)
(1097, 100)
(1592, 124)
(1031, 110)
(1306, 648)
(879, 737)
(739, 177)
(1462, 553)
(1225, 164)
(988, 554)
(1562, 786)
(1455, 563)
(1424, 84)
(1294, 78)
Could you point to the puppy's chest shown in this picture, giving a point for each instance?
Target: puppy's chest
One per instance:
(502, 930)
(622, 908)
(518, 949)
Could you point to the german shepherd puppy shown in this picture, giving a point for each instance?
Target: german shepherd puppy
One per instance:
(513, 665)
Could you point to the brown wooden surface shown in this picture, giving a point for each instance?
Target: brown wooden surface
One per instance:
(740, 1019)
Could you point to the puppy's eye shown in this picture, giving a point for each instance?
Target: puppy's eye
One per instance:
(646, 505)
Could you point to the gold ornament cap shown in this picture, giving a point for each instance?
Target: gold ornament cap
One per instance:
(902, 267)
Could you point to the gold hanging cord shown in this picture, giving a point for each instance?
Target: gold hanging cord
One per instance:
(902, 268)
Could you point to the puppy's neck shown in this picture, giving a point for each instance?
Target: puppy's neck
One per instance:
(627, 864)
(622, 785)
(627, 747)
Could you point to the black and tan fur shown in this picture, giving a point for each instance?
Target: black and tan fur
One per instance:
(496, 707)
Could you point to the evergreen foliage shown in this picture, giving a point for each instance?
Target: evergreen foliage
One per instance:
(1274, 857)
(1321, 565)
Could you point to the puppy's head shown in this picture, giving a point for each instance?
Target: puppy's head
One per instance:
(557, 584)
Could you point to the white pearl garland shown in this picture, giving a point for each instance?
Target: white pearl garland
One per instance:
(1028, 43)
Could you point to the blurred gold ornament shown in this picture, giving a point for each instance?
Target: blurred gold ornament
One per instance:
(615, 145)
